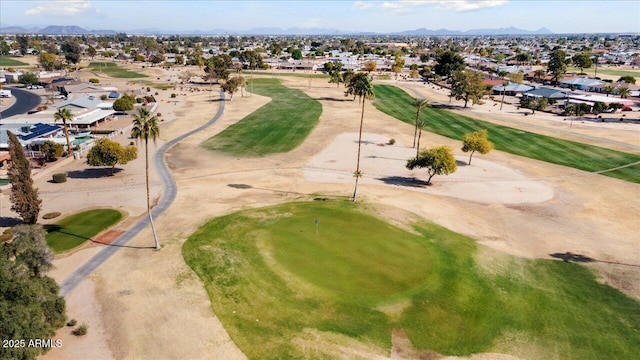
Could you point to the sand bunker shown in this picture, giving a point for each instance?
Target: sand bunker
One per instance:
(483, 181)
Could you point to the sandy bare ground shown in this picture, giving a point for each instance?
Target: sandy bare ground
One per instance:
(151, 305)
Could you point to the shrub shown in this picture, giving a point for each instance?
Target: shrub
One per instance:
(173, 95)
(123, 104)
(159, 114)
(148, 89)
(72, 322)
(139, 100)
(5, 237)
(7, 231)
(392, 141)
(94, 81)
(60, 178)
(52, 215)
(103, 97)
(81, 330)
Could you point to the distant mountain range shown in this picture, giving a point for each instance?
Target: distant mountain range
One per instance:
(76, 30)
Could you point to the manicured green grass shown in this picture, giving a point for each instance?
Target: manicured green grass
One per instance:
(74, 230)
(607, 71)
(154, 85)
(114, 70)
(270, 277)
(276, 127)
(297, 73)
(397, 103)
(8, 61)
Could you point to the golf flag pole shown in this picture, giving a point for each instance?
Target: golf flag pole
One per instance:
(316, 226)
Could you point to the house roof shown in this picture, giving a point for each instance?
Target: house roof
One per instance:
(582, 82)
(513, 87)
(84, 103)
(38, 130)
(547, 93)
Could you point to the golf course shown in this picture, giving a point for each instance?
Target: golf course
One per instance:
(282, 275)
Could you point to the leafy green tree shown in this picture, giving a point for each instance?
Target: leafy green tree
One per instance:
(360, 86)
(232, 85)
(523, 58)
(557, 65)
(476, 141)
(29, 303)
(598, 107)
(29, 78)
(107, 152)
(91, 51)
(64, 115)
(47, 61)
(537, 103)
(145, 127)
(398, 64)
(369, 66)
(419, 104)
(218, 67)
(582, 60)
(438, 161)
(24, 197)
(615, 106)
(72, 51)
(628, 79)
(468, 86)
(448, 62)
(296, 54)
(51, 150)
(123, 104)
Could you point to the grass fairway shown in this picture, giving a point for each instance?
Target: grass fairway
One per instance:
(111, 69)
(8, 61)
(276, 127)
(613, 71)
(74, 230)
(270, 279)
(396, 102)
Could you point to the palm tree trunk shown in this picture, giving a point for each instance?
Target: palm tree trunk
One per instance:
(146, 159)
(357, 173)
(418, 145)
(471, 156)
(66, 135)
(415, 131)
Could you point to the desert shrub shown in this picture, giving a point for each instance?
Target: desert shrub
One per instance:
(94, 81)
(51, 215)
(392, 141)
(72, 322)
(173, 95)
(81, 330)
(59, 178)
(7, 231)
(148, 89)
(139, 100)
(5, 237)
(103, 97)
(159, 114)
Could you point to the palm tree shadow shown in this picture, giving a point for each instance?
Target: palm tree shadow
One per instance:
(578, 258)
(58, 228)
(325, 98)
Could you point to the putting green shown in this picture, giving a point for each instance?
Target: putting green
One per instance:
(346, 257)
(272, 282)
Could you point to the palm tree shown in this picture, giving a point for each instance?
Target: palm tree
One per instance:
(145, 127)
(64, 115)
(360, 86)
(624, 92)
(419, 104)
(609, 89)
(539, 74)
(420, 124)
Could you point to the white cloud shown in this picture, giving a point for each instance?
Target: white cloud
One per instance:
(361, 5)
(68, 8)
(405, 6)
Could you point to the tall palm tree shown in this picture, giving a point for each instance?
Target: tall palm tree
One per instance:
(421, 123)
(419, 104)
(360, 86)
(64, 115)
(145, 127)
(624, 92)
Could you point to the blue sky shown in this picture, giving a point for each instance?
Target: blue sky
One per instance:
(559, 16)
